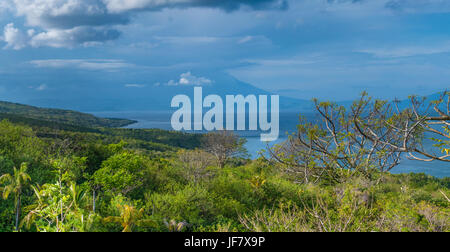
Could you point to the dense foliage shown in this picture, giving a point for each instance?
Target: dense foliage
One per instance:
(60, 116)
(114, 186)
(61, 177)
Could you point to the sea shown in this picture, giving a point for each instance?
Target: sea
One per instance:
(288, 124)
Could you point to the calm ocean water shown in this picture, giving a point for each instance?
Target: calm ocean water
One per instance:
(288, 123)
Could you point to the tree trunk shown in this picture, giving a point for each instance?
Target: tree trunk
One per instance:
(93, 200)
(18, 213)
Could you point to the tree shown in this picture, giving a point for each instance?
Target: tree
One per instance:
(333, 145)
(174, 226)
(129, 218)
(15, 185)
(122, 173)
(412, 123)
(58, 208)
(369, 134)
(195, 164)
(224, 145)
(20, 144)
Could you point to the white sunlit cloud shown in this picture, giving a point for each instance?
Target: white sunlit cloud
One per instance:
(14, 38)
(71, 23)
(188, 79)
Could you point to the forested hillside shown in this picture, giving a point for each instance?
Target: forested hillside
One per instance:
(61, 116)
(57, 177)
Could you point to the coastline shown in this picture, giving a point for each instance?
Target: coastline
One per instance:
(161, 120)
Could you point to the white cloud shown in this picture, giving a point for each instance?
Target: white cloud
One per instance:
(117, 6)
(14, 38)
(5, 6)
(135, 85)
(70, 23)
(66, 13)
(285, 62)
(42, 87)
(58, 38)
(419, 6)
(65, 23)
(91, 64)
(69, 38)
(187, 79)
(245, 40)
(188, 40)
(406, 51)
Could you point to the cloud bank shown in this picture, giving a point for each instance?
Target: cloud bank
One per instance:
(70, 23)
(92, 64)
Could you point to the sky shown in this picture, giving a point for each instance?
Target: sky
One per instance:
(62, 52)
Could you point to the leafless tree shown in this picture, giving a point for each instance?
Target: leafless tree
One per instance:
(223, 145)
(281, 219)
(334, 143)
(409, 127)
(195, 164)
(369, 134)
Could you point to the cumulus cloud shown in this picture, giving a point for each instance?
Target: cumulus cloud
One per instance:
(188, 79)
(69, 23)
(14, 38)
(65, 14)
(92, 64)
(69, 38)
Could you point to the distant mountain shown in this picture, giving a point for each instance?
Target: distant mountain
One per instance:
(227, 85)
(158, 98)
(17, 111)
(105, 93)
(115, 95)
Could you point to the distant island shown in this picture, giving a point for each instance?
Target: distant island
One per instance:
(14, 111)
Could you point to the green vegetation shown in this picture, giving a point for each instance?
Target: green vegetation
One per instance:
(60, 116)
(59, 177)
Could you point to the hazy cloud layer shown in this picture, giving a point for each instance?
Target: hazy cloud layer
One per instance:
(415, 6)
(92, 64)
(407, 51)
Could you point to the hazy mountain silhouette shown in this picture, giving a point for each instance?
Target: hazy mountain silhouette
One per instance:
(151, 97)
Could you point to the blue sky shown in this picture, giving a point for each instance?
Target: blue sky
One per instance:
(330, 49)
